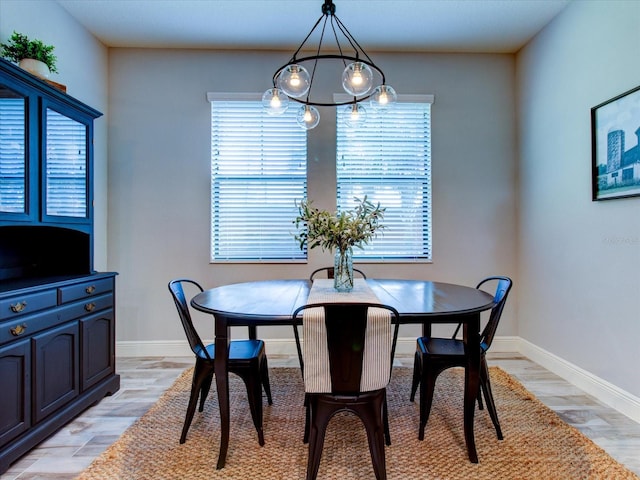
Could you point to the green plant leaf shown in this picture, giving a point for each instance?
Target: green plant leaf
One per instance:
(20, 47)
(340, 230)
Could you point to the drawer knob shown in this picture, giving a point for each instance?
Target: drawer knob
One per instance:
(90, 307)
(90, 289)
(18, 329)
(19, 307)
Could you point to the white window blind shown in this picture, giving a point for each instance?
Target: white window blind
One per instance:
(388, 159)
(66, 175)
(258, 171)
(12, 155)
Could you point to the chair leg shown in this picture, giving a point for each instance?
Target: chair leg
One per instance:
(427, 387)
(200, 374)
(417, 374)
(264, 376)
(370, 416)
(488, 397)
(480, 405)
(320, 416)
(204, 390)
(254, 393)
(307, 418)
(385, 421)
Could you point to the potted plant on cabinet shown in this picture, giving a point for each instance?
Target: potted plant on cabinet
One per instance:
(341, 232)
(32, 55)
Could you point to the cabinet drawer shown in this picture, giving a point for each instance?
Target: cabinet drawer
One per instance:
(85, 290)
(29, 303)
(26, 326)
(86, 307)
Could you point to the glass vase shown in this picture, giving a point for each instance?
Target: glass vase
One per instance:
(343, 270)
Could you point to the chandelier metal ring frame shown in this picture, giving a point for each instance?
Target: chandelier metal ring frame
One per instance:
(292, 81)
(308, 101)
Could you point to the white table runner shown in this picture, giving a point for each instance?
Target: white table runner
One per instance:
(376, 364)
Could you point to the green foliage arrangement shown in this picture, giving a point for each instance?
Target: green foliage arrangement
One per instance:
(19, 47)
(340, 230)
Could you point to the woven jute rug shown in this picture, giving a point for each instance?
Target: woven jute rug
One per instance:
(537, 443)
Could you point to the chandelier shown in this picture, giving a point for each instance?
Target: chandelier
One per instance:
(293, 82)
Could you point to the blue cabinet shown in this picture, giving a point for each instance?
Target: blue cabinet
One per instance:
(57, 320)
(57, 356)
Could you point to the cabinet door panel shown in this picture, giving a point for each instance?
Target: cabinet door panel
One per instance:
(14, 161)
(56, 375)
(66, 166)
(98, 354)
(15, 401)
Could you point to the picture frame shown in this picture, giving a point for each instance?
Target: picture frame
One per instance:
(615, 146)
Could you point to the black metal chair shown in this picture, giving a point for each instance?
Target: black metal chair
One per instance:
(247, 359)
(346, 325)
(434, 355)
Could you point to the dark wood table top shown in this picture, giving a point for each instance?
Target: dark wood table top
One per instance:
(271, 302)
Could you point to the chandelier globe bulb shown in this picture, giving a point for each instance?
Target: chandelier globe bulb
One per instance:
(357, 79)
(294, 80)
(355, 115)
(383, 98)
(308, 117)
(275, 102)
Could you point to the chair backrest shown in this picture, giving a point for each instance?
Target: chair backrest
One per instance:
(346, 326)
(500, 298)
(331, 272)
(177, 292)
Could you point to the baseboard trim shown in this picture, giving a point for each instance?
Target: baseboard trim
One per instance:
(605, 392)
(168, 348)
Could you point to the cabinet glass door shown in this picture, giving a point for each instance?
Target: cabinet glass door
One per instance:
(13, 159)
(66, 179)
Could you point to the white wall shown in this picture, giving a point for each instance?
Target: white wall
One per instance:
(82, 67)
(159, 158)
(579, 261)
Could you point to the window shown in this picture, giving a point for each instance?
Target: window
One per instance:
(258, 171)
(388, 159)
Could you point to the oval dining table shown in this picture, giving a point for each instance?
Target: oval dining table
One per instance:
(272, 302)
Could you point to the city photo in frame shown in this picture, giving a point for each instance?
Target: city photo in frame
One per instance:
(615, 144)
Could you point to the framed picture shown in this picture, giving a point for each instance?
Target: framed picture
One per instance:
(615, 144)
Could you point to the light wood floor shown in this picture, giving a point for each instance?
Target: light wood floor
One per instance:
(143, 380)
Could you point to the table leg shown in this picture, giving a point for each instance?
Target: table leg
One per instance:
(471, 337)
(426, 329)
(222, 384)
(253, 332)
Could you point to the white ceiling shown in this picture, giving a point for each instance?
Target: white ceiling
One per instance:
(501, 26)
